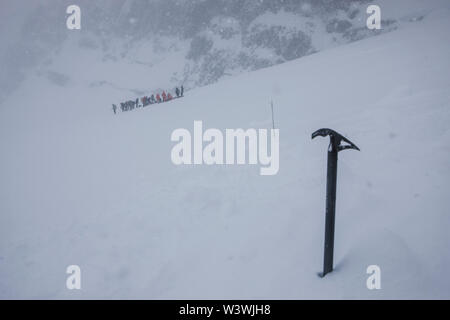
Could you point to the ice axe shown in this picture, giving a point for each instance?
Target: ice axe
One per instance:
(335, 146)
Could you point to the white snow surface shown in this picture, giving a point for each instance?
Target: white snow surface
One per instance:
(80, 185)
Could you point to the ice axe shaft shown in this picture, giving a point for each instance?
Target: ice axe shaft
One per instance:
(335, 146)
(330, 211)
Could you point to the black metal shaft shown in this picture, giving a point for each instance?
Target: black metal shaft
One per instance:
(330, 211)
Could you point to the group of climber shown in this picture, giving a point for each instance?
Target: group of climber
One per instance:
(145, 101)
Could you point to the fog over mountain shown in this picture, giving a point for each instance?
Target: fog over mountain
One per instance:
(193, 42)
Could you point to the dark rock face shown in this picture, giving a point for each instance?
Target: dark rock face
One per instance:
(200, 46)
(338, 26)
(289, 45)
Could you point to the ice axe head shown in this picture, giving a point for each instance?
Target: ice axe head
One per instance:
(335, 140)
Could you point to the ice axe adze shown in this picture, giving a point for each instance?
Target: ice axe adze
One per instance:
(335, 146)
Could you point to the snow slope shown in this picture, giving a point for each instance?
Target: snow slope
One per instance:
(83, 186)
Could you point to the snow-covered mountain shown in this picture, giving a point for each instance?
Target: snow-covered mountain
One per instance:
(82, 186)
(190, 42)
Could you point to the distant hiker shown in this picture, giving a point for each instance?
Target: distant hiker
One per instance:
(137, 102)
(164, 96)
(177, 92)
(169, 96)
(114, 108)
(158, 98)
(152, 99)
(144, 101)
(182, 91)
